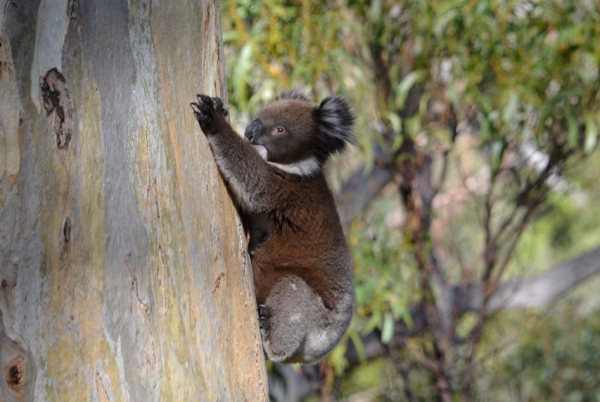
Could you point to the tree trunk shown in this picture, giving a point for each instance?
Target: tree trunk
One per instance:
(124, 273)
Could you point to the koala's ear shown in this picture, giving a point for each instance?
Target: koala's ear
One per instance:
(335, 119)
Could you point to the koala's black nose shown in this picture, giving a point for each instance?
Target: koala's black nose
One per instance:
(253, 130)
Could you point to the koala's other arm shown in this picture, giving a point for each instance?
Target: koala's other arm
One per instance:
(241, 167)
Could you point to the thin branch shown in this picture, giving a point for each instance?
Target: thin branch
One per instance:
(420, 357)
(506, 223)
(508, 254)
(392, 353)
(539, 290)
(452, 127)
(360, 189)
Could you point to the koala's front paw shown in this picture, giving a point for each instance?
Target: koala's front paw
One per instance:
(264, 316)
(209, 112)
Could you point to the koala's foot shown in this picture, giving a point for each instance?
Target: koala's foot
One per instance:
(301, 329)
(283, 319)
(264, 316)
(209, 112)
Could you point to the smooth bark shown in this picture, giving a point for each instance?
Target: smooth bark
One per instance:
(124, 273)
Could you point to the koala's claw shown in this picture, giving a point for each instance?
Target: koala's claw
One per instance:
(205, 111)
(264, 315)
(218, 105)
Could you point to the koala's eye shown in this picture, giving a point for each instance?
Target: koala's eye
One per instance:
(279, 130)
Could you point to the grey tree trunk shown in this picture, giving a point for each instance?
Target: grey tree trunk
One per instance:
(124, 274)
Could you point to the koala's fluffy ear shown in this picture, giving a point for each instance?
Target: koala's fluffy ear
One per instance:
(335, 119)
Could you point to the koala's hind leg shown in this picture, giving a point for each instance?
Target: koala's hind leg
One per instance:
(286, 318)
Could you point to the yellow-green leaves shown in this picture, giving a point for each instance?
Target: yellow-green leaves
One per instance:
(406, 85)
(591, 133)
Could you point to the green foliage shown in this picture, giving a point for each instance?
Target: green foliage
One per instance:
(285, 44)
(524, 77)
(556, 359)
(519, 60)
(568, 224)
(566, 360)
(384, 279)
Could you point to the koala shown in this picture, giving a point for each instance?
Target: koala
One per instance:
(301, 264)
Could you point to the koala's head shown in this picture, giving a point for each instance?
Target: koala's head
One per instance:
(293, 133)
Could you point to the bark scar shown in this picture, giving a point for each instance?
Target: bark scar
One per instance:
(217, 282)
(58, 107)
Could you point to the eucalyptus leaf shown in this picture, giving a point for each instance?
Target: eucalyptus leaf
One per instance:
(591, 135)
(387, 331)
(406, 85)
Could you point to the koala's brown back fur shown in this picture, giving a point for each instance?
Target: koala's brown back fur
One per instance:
(308, 242)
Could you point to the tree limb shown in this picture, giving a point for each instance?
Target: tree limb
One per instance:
(534, 291)
(539, 290)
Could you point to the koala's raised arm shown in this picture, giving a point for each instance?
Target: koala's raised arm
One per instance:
(246, 174)
(290, 135)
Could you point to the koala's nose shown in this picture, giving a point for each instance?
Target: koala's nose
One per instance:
(252, 130)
